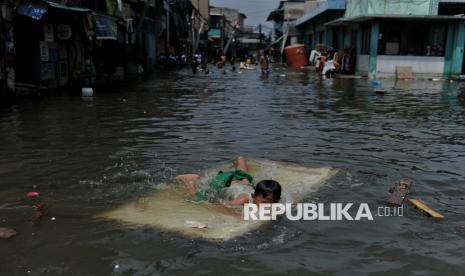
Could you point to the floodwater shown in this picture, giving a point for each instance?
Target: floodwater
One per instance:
(86, 156)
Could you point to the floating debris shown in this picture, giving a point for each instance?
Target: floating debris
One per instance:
(195, 224)
(376, 83)
(32, 194)
(39, 212)
(6, 233)
(399, 192)
(87, 92)
(425, 208)
(380, 91)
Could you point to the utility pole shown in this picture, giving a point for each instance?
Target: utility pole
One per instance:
(4, 57)
(193, 32)
(260, 32)
(168, 13)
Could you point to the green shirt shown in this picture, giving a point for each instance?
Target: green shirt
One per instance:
(217, 188)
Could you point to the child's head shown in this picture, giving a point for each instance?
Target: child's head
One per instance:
(267, 191)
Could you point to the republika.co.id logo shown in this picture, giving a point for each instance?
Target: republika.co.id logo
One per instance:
(318, 211)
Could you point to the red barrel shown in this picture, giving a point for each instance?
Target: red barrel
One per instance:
(296, 56)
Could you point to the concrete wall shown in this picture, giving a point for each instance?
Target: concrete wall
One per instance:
(293, 10)
(203, 6)
(432, 66)
(363, 61)
(231, 15)
(356, 8)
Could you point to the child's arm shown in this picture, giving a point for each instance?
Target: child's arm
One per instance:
(240, 200)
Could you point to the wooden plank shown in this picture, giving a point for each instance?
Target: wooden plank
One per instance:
(425, 208)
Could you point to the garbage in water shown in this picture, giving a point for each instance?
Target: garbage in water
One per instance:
(87, 92)
(6, 233)
(195, 224)
(376, 83)
(380, 91)
(399, 192)
(32, 194)
(420, 205)
(282, 75)
(39, 212)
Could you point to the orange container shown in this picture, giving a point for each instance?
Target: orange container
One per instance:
(296, 56)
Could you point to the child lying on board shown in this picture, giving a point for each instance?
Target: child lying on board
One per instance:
(236, 187)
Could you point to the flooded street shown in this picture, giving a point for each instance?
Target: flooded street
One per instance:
(86, 156)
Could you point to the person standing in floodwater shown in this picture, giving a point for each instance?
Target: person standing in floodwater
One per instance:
(264, 63)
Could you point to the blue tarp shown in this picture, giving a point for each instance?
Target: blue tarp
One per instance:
(37, 9)
(33, 10)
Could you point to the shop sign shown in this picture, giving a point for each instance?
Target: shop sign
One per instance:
(64, 32)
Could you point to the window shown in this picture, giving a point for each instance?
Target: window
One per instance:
(412, 38)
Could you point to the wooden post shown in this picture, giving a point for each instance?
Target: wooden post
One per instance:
(198, 35)
(3, 45)
(193, 42)
(168, 13)
(358, 48)
(283, 45)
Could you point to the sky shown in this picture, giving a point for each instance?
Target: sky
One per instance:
(256, 10)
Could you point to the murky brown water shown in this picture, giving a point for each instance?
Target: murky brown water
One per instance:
(87, 156)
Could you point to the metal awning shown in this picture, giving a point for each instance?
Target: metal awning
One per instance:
(65, 7)
(321, 7)
(426, 18)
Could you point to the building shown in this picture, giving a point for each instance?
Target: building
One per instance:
(7, 50)
(200, 24)
(426, 35)
(203, 7)
(226, 25)
(68, 44)
(312, 24)
(251, 41)
(284, 18)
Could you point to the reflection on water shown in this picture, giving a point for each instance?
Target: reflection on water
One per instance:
(89, 156)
